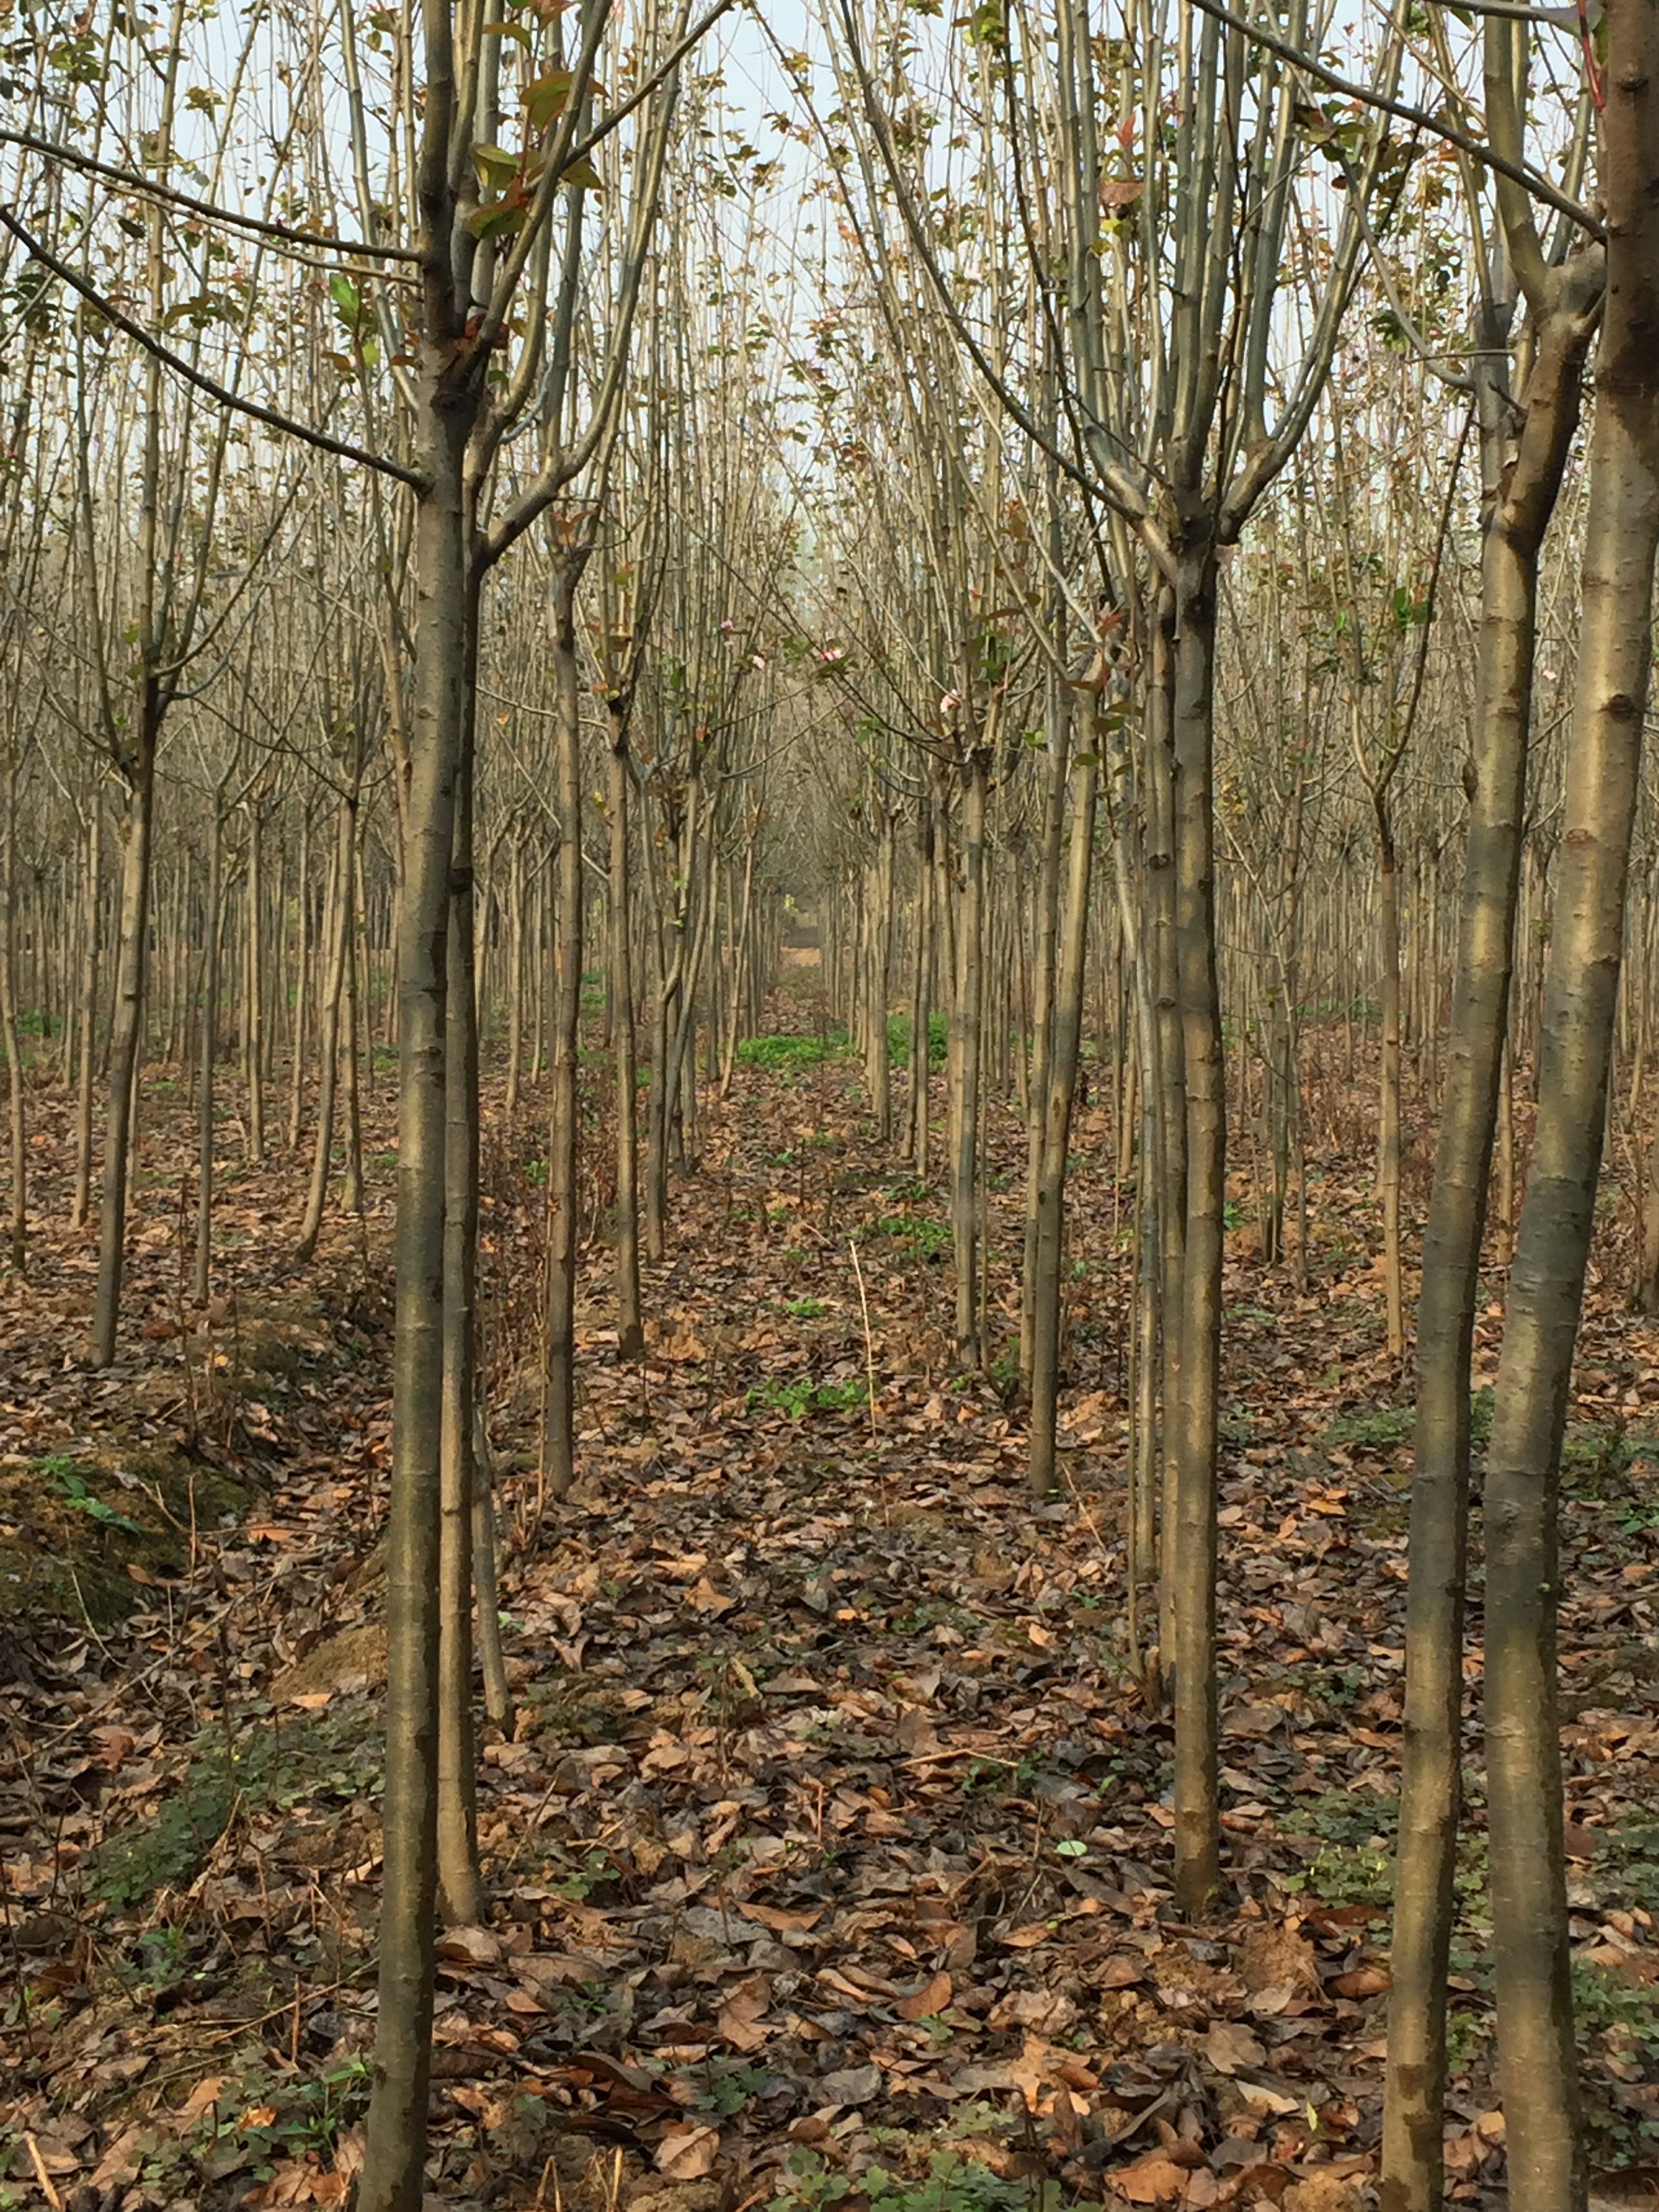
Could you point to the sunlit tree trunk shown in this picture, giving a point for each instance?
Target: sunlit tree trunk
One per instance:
(1522, 496)
(1537, 2057)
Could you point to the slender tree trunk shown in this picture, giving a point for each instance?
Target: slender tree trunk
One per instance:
(81, 1204)
(19, 1223)
(126, 1029)
(922, 996)
(1523, 498)
(970, 995)
(1059, 720)
(1193, 1565)
(1388, 1164)
(559, 1394)
(254, 1033)
(301, 988)
(630, 1325)
(515, 974)
(395, 2153)
(1171, 1111)
(211, 938)
(339, 951)
(460, 1890)
(1049, 1246)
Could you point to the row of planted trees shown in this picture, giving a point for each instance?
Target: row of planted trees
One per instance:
(1079, 515)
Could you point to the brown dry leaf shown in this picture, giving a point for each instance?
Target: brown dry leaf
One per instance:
(1363, 1981)
(293, 2182)
(932, 1996)
(1228, 2046)
(1121, 1971)
(121, 2163)
(1026, 1939)
(742, 2010)
(687, 2153)
(768, 1916)
(469, 1946)
(1153, 2180)
(703, 1597)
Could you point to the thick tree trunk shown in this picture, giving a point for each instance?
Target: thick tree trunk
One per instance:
(1538, 2062)
(1523, 500)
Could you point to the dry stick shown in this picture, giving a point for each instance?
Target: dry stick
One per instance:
(44, 2180)
(869, 1352)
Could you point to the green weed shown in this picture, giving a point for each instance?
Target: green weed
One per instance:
(952, 2185)
(76, 1495)
(928, 1240)
(898, 1040)
(804, 1396)
(785, 1054)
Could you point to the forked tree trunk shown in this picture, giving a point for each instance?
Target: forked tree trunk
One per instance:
(1537, 2057)
(1523, 500)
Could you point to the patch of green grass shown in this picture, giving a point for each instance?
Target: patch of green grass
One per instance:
(786, 1055)
(1377, 1430)
(804, 1309)
(323, 1754)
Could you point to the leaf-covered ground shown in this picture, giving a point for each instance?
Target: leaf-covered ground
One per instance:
(826, 1842)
